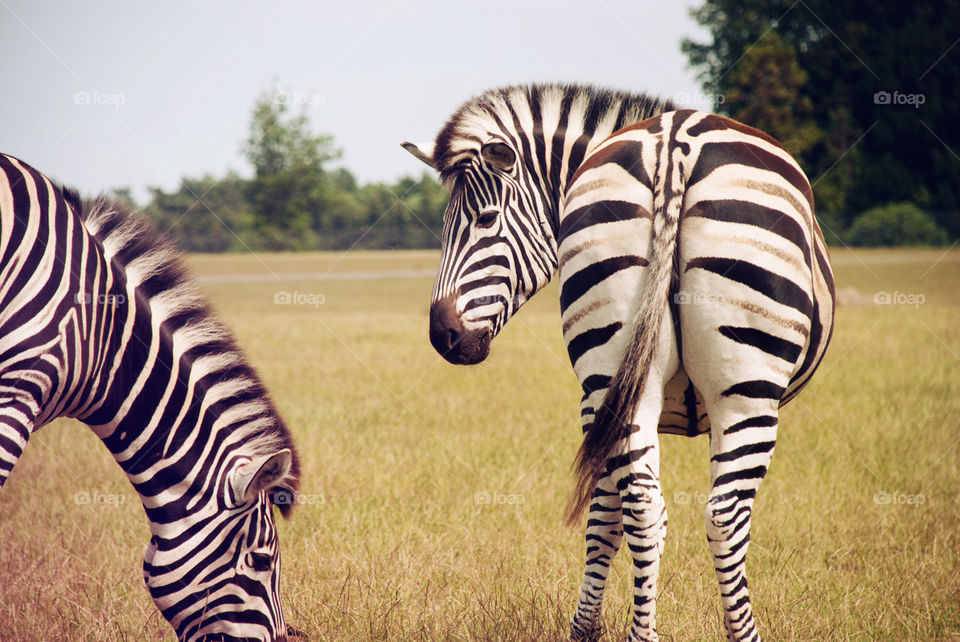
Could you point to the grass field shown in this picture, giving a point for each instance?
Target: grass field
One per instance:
(432, 494)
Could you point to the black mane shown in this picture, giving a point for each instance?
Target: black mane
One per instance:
(631, 107)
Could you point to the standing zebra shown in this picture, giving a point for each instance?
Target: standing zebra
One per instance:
(99, 321)
(695, 290)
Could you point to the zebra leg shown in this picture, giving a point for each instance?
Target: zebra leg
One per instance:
(644, 520)
(604, 533)
(741, 445)
(16, 424)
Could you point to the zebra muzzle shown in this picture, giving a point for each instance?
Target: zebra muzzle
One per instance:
(452, 339)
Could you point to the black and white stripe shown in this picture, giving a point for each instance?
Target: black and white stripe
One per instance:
(696, 296)
(99, 321)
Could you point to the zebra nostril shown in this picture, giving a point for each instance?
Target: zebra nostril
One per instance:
(452, 337)
(445, 326)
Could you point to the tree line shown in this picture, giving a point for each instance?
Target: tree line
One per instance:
(295, 200)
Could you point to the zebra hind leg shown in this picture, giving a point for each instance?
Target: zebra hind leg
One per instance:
(741, 445)
(644, 526)
(604, 533)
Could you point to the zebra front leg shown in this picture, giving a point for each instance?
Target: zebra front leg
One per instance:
(16, 424)
(604, 532)
(741, 445)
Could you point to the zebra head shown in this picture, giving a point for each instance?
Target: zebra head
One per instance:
(498, 249)
(213, 563)
(506, 157)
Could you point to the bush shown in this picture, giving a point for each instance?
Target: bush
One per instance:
(895, 224)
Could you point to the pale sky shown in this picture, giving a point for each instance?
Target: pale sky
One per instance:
(127, 93)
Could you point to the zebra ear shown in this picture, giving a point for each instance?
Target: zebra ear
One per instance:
(423, 151)
(499, 155)
(261, 473)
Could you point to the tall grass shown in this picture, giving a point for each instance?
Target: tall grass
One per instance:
(432, 495)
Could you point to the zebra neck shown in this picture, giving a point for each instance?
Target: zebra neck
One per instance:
(171, 416)
(149, 398)
(171, 395)
(553, 126)
(179, 397)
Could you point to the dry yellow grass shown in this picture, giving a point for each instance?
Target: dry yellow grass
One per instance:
(433, 493)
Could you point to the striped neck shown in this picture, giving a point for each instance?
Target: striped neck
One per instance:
(171, 389)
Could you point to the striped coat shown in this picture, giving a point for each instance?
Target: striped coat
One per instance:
(100, 321)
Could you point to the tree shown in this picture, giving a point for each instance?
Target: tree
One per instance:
(289, 189)
(294, 202)
(764, 90)
(880, 85)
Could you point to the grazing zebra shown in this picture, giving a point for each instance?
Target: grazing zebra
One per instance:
(100, 321)
(695, 290)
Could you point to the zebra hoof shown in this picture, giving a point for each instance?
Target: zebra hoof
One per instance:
(590, 634)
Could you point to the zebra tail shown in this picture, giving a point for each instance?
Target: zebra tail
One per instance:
(612, 420)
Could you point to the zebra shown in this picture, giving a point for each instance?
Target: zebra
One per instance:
(100, 321)
(696, 296)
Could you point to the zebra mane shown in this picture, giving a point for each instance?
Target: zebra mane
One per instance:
(157, 270)
(580, 106)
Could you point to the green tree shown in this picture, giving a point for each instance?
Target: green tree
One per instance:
(881, 87)
(294, 202)
(345, 211)
(124, 195)
(764, 90)
(289, 189)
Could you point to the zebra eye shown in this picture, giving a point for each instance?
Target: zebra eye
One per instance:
(259, 562)
(487, 218)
